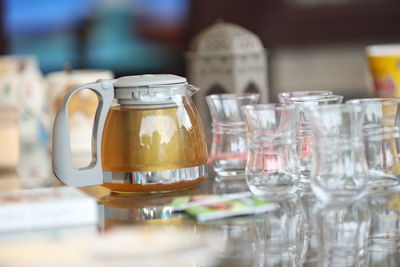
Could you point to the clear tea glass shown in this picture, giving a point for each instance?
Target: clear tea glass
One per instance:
(339, 170)
(304, 133)
(271, 170)
(381, 132)
(229, 149)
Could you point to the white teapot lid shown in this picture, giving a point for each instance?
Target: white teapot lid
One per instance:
(149, 90)
(149, 80)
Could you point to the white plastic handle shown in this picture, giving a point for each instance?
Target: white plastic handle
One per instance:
(62, 157)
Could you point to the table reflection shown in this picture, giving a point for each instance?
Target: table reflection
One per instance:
(384, 234)
(288, 236)
(385, 222)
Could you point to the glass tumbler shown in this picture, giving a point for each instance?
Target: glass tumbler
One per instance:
(271, 170)
(339, 170)
(228, 148)
(381, 132)
(304, 132)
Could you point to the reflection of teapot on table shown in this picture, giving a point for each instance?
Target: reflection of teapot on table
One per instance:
(153, 141)
(123, 208)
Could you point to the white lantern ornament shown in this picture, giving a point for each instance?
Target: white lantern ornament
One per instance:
(227, 58)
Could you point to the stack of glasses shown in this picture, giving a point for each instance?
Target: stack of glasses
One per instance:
(333, 157)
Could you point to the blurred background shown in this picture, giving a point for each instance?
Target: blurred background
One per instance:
(312, 44)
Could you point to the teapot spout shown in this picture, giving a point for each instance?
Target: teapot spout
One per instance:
(191, 90)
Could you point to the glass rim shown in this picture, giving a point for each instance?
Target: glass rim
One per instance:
(269, 106)
(305, 93)
(233, 96)
(377, 100)
(314, 98)
(336, 107)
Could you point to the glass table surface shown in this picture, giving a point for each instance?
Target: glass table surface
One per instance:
(288, 236)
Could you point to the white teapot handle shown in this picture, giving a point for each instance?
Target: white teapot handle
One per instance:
(61, 150)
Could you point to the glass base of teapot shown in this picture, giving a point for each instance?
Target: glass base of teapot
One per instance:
(155, 181)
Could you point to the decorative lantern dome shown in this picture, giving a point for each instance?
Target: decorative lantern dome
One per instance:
(227, 58)
(226, 39)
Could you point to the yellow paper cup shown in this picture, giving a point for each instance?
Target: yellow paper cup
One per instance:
(384, 62)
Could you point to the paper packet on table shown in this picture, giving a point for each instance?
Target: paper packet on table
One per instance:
(211, 207)
(46, 208)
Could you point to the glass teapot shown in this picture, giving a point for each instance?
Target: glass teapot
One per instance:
(153, 141)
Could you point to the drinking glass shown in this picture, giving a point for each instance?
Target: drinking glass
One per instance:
(343, 234)
(339, 168)
(304, 133)
(271, 170)
(228, 148)
(381, 132)
(303, 99)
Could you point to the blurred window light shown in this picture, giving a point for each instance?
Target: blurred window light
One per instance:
(27, 17)
(126, 36)
(165, 12)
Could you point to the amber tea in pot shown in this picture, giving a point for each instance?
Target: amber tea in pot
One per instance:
(153, 141)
